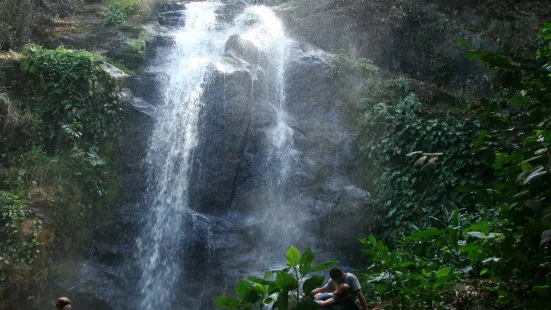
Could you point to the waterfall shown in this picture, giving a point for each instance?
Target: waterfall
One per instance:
(198, 49)
(279, 222)
(171, 148)
(269, 37)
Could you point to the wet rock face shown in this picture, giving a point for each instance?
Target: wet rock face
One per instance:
(237, 47)
(230, 171)
(171, 18)
(223, 126)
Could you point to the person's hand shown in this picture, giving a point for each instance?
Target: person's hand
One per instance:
(317, 295)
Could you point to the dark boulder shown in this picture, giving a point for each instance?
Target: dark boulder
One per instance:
(171, 18)
(223, 127)
(240, 48)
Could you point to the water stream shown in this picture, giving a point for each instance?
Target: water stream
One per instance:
(171, 146)
(199, 47)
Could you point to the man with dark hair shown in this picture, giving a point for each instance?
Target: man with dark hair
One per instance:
(63, 303)
(339, 277)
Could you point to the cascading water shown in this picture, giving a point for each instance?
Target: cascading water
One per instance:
(268, 35)
(171, 147)
(199, 46)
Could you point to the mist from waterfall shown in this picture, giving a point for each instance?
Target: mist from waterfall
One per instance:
(279, 223)
(198, 49)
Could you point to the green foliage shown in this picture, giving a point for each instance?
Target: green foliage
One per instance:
(423, 269)
(74, 90)
(499, 242)
(119, 11)
(18, 235)
(133, 55)
(413, 162)
(55, 171)
(115, 15)
(279, 287)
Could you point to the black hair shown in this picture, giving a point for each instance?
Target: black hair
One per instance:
(335, 273)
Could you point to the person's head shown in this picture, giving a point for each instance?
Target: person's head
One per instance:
(63, 303)
(336, 274)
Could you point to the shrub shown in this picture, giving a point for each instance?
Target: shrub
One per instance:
(413, 162)
(59, 140)
(280, 287)
(73, 91)
(118, 11)
(499, 242)
(115, 15)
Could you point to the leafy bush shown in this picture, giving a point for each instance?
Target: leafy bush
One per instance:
(279, 287)
(499, 242)
(58, 143)
(132, 55)
(414, 163)
(73, 91)
(423, 269)
(115, 15)
(118, 11)
(18, 234)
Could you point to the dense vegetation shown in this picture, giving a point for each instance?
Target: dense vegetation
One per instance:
(56, 143)
(470, 192)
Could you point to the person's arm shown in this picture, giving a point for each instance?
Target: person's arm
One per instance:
(322, 289)
(361, 297)
(318, 290)
(325, 303)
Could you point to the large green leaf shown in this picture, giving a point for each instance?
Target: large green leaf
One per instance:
(373, 241)
(282, 301)
(306, 261)
(519, 100)
(293, 257)
(260, 281)
(482, 226)
(443, 272)
(542, 290)
(226, 302)
(427, 234)
(242, 289)
(285, 281)
(312, 283)
(307, 304)
(255, 294)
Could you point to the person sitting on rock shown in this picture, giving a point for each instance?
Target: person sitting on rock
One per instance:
(326, 299)
(63, 303)
(339, 277)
